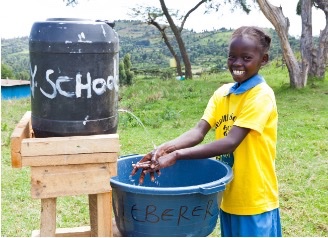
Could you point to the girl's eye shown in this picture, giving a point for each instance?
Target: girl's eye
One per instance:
(230, 57)
(247, 58)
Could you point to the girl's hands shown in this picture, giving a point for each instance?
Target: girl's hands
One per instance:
(153, 162)
(144, 163)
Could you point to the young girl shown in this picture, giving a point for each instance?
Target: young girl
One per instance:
(244, 115)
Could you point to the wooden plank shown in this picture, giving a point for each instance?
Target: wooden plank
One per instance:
(82, 231)
(21, 131)
(71, 180)
(93, 215)
(48, 217)
(104, 214)
(45, 160)
(113, 169)
(70, 145)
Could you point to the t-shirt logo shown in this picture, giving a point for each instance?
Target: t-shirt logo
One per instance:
(227, 159)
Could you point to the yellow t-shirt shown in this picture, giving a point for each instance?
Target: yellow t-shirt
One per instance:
(254, 188)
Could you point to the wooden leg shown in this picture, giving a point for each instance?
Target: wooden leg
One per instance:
(100, 206)
(48, 217)
(93, 215)
(104, 205)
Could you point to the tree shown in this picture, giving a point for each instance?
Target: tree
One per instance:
(318, 54)
(121, 74)
(281, 24)
(23, 75)
(6, 72)
(125, 73)
(177, 33)
(153, 15)
(298, 72)
(152, 20)
(127, 68)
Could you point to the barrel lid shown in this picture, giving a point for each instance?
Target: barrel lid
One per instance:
(73, 35)
(67, 19)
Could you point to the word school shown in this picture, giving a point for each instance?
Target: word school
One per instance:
(99, 85)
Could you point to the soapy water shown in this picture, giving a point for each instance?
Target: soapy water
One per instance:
(134, 180)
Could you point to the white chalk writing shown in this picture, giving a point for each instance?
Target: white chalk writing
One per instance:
(52, 84)
(63, 79)
(80, 86)
(33, 73)
(97, 86)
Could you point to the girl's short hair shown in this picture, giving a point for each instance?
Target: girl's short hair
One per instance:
(256, 33)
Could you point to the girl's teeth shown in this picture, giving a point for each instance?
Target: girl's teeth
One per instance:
(237, 72)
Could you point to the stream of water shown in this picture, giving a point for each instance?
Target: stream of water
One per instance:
(132, 180)
(140, 122)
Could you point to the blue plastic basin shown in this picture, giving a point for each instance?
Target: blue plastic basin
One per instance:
(183, 201)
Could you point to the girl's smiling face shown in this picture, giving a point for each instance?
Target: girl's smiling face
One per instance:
(245, 58)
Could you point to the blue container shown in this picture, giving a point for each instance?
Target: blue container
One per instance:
(14, 89)
(183, 201)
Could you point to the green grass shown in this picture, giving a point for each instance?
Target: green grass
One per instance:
(168, 108)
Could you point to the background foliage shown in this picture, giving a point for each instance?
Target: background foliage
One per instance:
(207, 50)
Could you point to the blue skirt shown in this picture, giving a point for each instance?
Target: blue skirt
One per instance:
(265, 224)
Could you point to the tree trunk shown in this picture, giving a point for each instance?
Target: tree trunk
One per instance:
(320, 53)
(168, 44)
(177, 34)
(306, 38)
(175, 55)
(281, 25)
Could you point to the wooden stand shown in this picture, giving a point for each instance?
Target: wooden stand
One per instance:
(68, 166)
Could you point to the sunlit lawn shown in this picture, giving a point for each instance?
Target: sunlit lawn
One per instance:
(168, 108)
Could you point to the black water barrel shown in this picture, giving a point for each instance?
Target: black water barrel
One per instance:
(74, 65)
